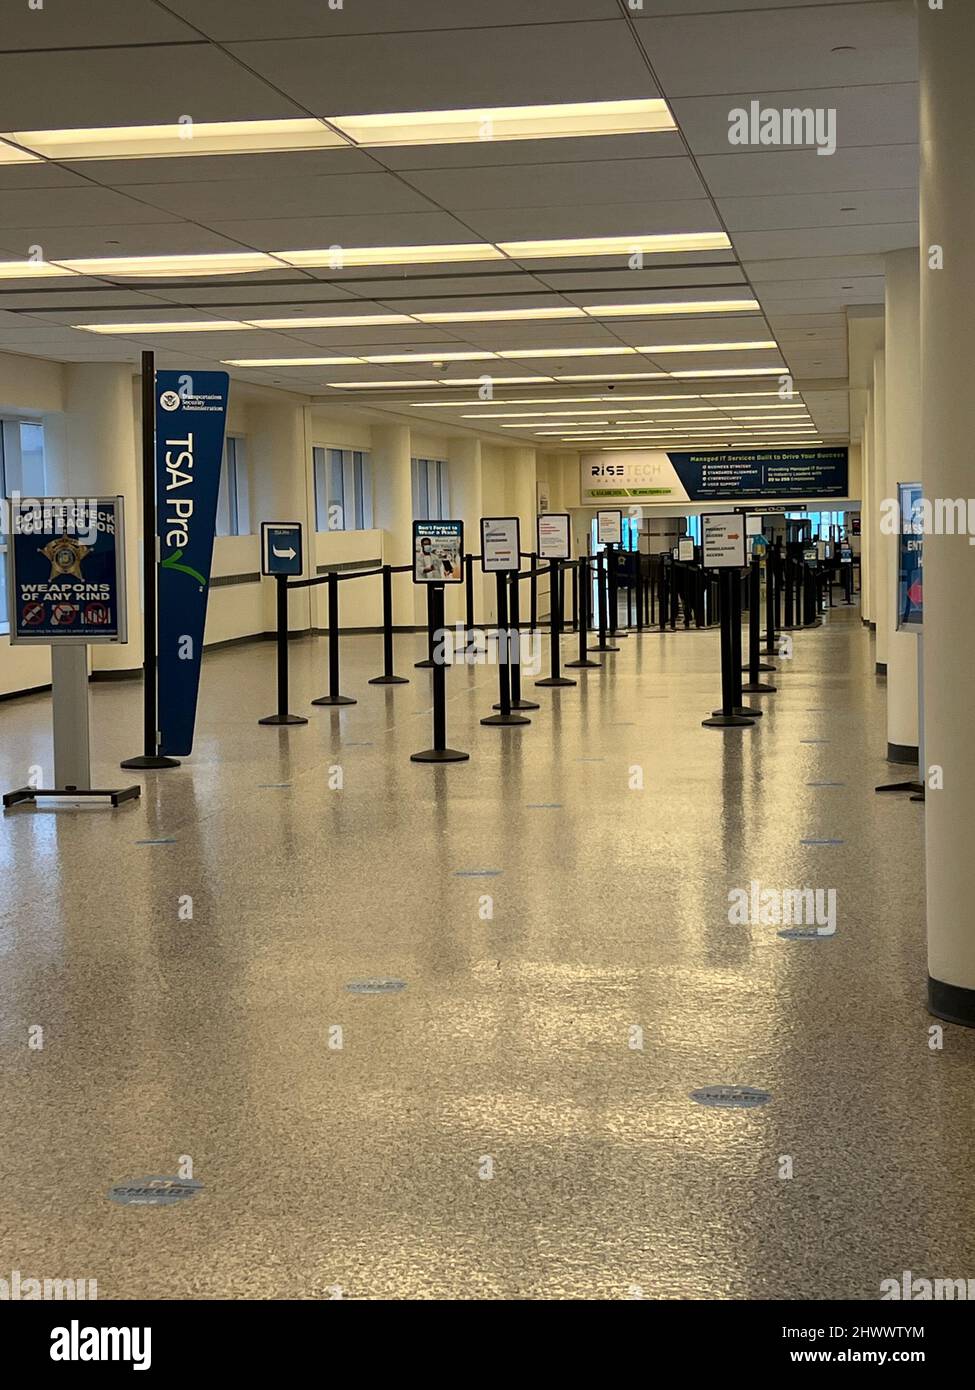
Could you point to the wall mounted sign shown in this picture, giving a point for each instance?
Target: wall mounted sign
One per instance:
(715, 475)
(67, 571)
(500, 544)
(685, 549)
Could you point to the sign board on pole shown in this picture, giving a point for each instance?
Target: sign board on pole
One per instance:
(810, 554)
(190, 419)
(910, 557)
(281, 548)
(685, 548)
(554, 536)
(821, 552)
(500, 544)
(438, 552)
(723, 539)
(609, 528)
(846, 553)
(753, 525)
(67, 571)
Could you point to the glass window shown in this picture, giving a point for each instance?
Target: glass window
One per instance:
(431, 491)
(233, 499)
(343, 490)
(21, 470)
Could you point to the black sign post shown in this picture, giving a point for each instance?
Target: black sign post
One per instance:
(439, 753)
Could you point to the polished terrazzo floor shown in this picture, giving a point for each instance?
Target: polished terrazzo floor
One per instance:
(362, 1169)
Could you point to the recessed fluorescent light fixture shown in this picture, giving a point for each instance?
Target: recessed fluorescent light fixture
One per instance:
(656, 245)
(732, 371)
(619, 376)
(689, 306)
(164, 267)
(562, 121)
(379, 385)
(660, 348)
(569, 352)
(296, 362)
(339, 257)
(335, 321)
(194, 326)
(499, 315)
(181, 138)
(495, 381)
(9, 154)
(31, 270)
(390, 358)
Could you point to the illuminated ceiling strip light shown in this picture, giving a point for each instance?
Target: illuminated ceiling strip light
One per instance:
(31, 270)
(341, 257)
(499, 315)
(615, 376)
(673, 308)
(731, 371)
(151, 267)
(185, 138)
(618, 351)
(574, 414)
(381, 385)
(402, 358)
(148, 329)
(296, 362)
(9, 154)
(564, 400)
(661, 348)
(389, 359)
(625, 246)
(561, 121)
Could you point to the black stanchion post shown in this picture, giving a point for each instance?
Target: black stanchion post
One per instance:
(755, 663)
(727, 717)
(613, 591)
(333, 697)
(770, 588)
(602, 600)
(439, 753)
(739, 707)
(575, 598)
(789, 623)
(506, 718)
(387, 677)
(664, 596)
(533, 599)
(514, 660)
(150, 757)
(282, 716)
(640, 591)
(584, 590)
(557, 592)
(469, 595)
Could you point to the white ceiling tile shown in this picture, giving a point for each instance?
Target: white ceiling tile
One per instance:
(797, 210)
(770, 172)
(561, 185)
(315, 233)
(275, 198)
(84, 206)
(674, 280)
(109, 22)
(287, 164)
(586, 149)
(599, 219)
(839, 241)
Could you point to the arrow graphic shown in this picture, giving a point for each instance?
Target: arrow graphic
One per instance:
(283, 554)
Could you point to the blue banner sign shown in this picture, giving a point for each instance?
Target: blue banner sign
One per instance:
(191, 414)
(67, 571)
(910, 557)
(281, 548)
(712, 477)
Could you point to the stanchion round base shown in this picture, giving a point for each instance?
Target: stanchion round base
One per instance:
(762, 666)
(503, 721)
(583, 665)
(440, 755)
(602, 648)
(335, 700)
(551, 681)
(726, 721)
(149, 764)
(521, 704)
(283, 719)
(427, 665)
(389, 680)
(742, 711)
(759, 688)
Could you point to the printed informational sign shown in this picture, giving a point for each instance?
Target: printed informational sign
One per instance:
(554, 537)
(281, 549)
(716, 475)
(438, 552)
(810, 553)
(500, 544)
(910, 557)
(753, 525)
(724, 541)
(609, 528)
(685, 548)
(191, 414)
(846, 553)
(67, 571)
(855, 524)
(822, 552)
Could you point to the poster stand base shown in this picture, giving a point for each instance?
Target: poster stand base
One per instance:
(149, 762)
(739, 712)
(501, 721)
(440, 755)
(602, 647)
(335, 700)
(916, 787)
(521, 704)
(389, 680)
(726, 721)
(278, 719)
(762, 666)
(759, 688)
(426, 665)
(583, 665)
(551, 681)
(25, 794)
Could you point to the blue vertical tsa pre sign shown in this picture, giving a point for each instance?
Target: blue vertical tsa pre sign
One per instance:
(191, 414)
(67, 570)
(281, 548)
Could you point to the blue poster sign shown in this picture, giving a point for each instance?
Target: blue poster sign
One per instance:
(719, 476)
(67, 570)
(191, 415)
(910, 557)
(281, 549)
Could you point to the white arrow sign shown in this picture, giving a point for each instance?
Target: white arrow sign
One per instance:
(283, 554)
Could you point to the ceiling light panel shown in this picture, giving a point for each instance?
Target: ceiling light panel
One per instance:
(473, 126)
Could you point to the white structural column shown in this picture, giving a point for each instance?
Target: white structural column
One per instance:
(278, 452)
(467, 505)
(947, 297)
(866, 513)
(393, 483)
(902, 465)
(882, 544)
(94, 452)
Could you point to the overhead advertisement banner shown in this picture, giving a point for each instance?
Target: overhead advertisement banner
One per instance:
(715, 475)
(67, 560)
(191, 416)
